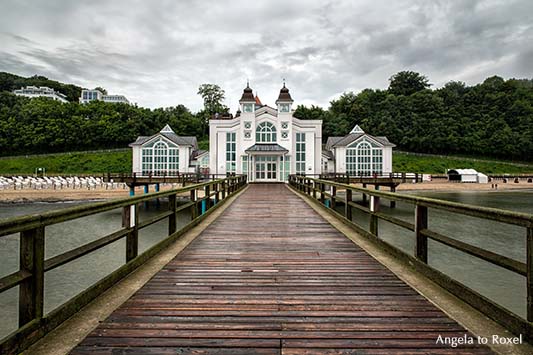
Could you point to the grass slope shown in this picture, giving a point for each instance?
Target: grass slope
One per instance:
(120, 162)
(73, 163)
(438, 164)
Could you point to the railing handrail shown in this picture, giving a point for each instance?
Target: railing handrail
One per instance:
(18, 224)
(505, 216)
(30, 276)
(316, 188)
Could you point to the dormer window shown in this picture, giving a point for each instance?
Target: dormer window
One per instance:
(284, 107)
(248, 107)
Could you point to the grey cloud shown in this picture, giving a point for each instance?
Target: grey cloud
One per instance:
(158, 53)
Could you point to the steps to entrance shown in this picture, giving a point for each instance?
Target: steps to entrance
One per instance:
(270, 276)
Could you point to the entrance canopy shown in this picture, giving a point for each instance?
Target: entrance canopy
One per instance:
(270, 149)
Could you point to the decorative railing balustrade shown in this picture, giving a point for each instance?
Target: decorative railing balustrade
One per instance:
(30, 277)
(327, 191)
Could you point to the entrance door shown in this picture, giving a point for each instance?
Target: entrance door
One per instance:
(266, 168)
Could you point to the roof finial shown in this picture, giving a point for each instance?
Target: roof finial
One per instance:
(247, 83)
(283, 82)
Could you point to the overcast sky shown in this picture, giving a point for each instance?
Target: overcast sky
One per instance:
(157, 53)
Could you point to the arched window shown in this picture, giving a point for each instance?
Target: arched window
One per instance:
(265, 133)
(364, 159)
(160, 158)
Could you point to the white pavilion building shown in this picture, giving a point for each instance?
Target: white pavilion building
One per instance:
(358, 154)
(165, 154)
(265, 143)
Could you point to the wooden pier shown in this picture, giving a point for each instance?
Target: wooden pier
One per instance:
(263, 279)
(268, 276)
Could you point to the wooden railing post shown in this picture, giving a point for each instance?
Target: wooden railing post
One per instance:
(322, 190)
(217, 189)
(130, 219)
(529, 264)
(333, 196)
(374, 207)
(194, 207)
(347, 207)
(421, 241)
(207, 192)
(172, 218)
(31, 290)
(314, 189)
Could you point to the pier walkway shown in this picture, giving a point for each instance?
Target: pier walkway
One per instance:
(271, 276)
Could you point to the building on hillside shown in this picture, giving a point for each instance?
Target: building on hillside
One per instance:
(265, 143)
(466, 175)
(41, 91)
(92, 95)
(164, 154)
(357, 154)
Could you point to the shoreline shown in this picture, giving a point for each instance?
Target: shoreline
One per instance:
(101, 194)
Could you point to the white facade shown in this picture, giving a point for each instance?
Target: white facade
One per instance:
(358, 154)
(42, 91)
(115, 99)
(92, 95)
(163, 154)
(267, 144)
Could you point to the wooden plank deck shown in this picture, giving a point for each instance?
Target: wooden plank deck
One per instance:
(270, 276)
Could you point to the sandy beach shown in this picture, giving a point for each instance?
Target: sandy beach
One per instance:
(69, 194)
(100, 193)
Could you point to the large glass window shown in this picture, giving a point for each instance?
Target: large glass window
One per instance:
(300, 153)
(231, 155)
(160, 159)
(364, 159)
(265, 133)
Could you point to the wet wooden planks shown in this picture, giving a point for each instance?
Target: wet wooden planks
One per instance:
(270, 276)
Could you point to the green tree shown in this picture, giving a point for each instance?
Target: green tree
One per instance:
(213, 96)
(407, 83)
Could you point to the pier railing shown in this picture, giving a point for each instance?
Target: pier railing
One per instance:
(326, 192)
(30, 277)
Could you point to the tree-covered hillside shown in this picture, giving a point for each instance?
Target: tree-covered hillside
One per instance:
(10, 82)
(41, 125)
(494, 118)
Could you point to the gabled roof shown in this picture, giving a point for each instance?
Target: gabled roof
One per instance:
(169, 134)
(266, 109)
(352, 137)
(198, 153)
(331, 142)
(357, 129)
(328, 154)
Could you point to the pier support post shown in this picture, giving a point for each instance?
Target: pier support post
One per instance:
(130, 219)
(421, 241)
(392, 202)
(364, 195)
(347, 207)
(333, 196)
(194, 207)
(31, 290)
(172, 218)
(374, 207)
